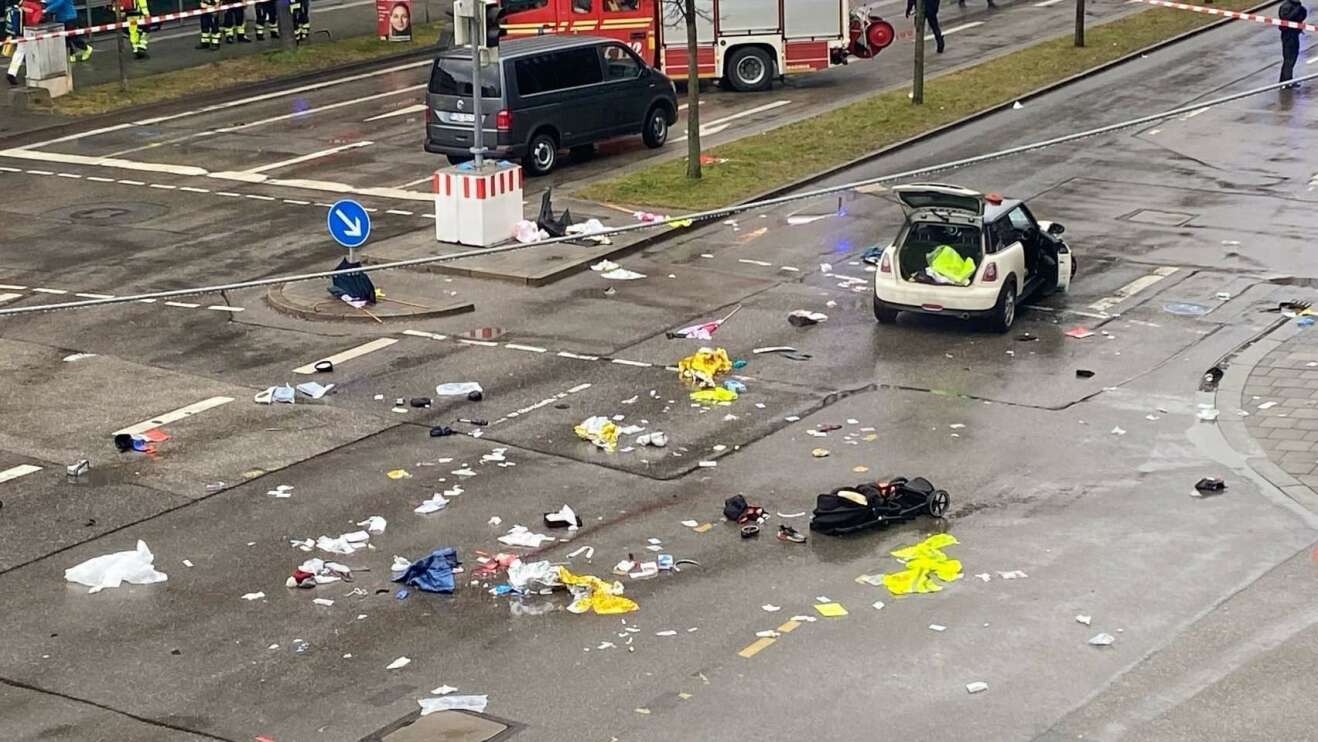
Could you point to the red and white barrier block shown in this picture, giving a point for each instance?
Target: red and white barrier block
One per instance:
(477, 207)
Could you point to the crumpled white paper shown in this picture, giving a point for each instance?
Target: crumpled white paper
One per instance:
(521, 575)
(522, 536)
(453, 703)
(112, 570)
(456, 388)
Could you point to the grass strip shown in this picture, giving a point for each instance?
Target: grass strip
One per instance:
(760, 162)
(235, 71)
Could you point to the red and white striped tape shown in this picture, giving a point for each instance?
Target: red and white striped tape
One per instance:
(141, 21)
(1234, 14)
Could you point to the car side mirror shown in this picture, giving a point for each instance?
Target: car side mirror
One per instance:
(1055, 229)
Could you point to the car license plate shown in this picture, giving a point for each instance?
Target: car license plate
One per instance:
(463, 118)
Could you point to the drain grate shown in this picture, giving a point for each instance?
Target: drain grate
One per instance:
(1159, 217)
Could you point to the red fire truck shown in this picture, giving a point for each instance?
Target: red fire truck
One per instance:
(746, 43)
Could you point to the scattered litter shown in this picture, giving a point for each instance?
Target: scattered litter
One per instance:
(588, 551)
(315, 572)
(1081, 618)
(937, 627)
(599, 430)
(1016, 106)
(1267, 405)
(1079, 333)
(432, 573)
(703, 367)
(437, 502)
(877, 605)
(1224, 295)
(313, 389)
(702, 331)
(977, 686)
(831, 610)
(622, 274)
(690, 523)
(770, 608)
(1102, 640)
(791, 515)
(667, 632)
(526, 232)
(474, 704)
(768, 634)
(707, 464)
(443, 690)
(1208, 486)
(924, 561)
(495, 520)
(1118, 431)
(187, 562)
(589, 229)
(819, 453)
(253, 596)
(323, 601)
(458, 389)
(374, 524)
(1013, 575)
(716, 395)
(111, 570)
(398, 664)
(398, 474)
(75, 357)
(523, 536)
(803, 318)
(463, 473)
(592, 593)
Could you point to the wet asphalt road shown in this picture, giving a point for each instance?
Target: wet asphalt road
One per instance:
(1205, 598)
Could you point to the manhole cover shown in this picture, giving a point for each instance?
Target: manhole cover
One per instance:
(1158, 217)
(447, 726)
(109, 213)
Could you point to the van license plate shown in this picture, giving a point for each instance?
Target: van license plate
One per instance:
(463, 118)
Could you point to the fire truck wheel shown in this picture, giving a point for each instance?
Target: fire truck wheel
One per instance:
(655, 132)
(541, 153)
(749, 69)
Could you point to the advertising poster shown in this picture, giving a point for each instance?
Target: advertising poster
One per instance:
(393, 20)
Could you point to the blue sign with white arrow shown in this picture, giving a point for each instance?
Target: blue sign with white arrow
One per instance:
(349, 224)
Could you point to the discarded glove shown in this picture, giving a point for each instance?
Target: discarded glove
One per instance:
(924, 561)
(592, 593)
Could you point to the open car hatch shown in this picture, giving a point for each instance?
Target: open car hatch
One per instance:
(939, 196)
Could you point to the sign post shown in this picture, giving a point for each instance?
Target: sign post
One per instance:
(478, 126)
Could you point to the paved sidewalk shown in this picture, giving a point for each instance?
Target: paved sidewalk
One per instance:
(1285, 383)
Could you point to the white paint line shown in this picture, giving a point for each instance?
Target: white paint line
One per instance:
(147, 301)
(95, 296)
(12, 287)
(427, 216)
(309, 157)
(22, 470)
(181, 304)
(99, 179)
(230, 195)
(402, 112)
(748, 261)
(6, 298)
(348, 354)
(192, 189)
(578, 388)
(1046, 3)
(223, 308)
(398, 212)
(1154, 131)
(527, 348)
(577, 356)
(1193, 113)
(1311, 61)
(297, 202)
(313, 111)
(416, 182)
(483, 343)
(10, 169)
(73, 175)
(1132, 288)
(954, 29)
(50, 291)
(625, 362)
(130, 182)
(705, 128)
(259, 197)
(64, 159)
(164, 186)
(39, 172)
(420, 334)
(174, 416)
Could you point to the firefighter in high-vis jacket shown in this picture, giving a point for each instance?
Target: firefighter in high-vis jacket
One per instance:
(267, 19)
(301, 18)
(235, 25)
(134, 12)
(210, 26)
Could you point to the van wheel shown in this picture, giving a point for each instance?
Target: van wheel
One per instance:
(1004, 314)
(749, 69)
(582, 153)
(883, 314)
(655, 132)
(458, 159)
(541, 154)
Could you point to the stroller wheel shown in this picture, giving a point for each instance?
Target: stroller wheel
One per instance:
(937, 503)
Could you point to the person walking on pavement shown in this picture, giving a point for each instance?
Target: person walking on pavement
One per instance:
(930, 17)
(235, 25)
(267, 18)
(210, 26)
(135, 11)
(11, 27)
(301, 19)
(80, 50)
(1290, 10)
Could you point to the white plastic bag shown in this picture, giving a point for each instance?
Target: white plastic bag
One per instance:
(112, 570)
(456, 388)
(453, 703)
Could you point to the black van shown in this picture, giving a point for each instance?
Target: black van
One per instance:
(547, 93)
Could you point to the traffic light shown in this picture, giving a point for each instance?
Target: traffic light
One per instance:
(493, 25)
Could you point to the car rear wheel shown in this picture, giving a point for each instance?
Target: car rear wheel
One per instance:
(655, 132)
(883, 314)
(541, 154)
(749, 69)
(1004, 314)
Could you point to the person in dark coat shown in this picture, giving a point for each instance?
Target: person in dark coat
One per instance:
(1290, 10)
(931, 18)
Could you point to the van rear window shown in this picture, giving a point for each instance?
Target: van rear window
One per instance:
(452, 76)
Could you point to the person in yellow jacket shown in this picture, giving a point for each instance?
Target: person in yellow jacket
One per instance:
(210, 26)
(135, 11)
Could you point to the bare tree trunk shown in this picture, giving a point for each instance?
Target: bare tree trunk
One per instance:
(917, 85)
(692, 94)
(1079, 22)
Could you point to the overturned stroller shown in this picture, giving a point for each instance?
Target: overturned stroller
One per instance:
(876, 504)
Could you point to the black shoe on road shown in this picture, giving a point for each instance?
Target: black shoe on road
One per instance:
(244, 40)
(12, 80)
(141, 55)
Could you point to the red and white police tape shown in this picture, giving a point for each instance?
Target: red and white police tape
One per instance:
(1234, 14)
(142, 21)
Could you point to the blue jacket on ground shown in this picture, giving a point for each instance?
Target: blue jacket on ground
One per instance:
(61, 10)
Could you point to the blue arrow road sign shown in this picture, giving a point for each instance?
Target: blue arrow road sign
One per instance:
(349, 224)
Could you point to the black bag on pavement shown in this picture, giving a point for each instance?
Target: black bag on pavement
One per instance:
(876, 504)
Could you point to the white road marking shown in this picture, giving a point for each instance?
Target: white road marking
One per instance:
(400, 112)
(6, 298)
(304, 158)
(12, 287)
(748, 261)
(312, 111)
(131, 182)
(1132, 288)
(420, 334)
(71, 175)
(99, 179)
(174, 416)
(485, 343)
(259, 197)
(22, 470)
(230, 195)
(527, 348)
(39, 172)
(181, 304)
(577, 356)
(50, 291)
(418, 181)
(163, 186)
(625, 362)
(297, 202)
(398, 212)
(954, 29)
(1046, 3)
(224, 308)
(348, 354)
(151, 167)
(708, 127)
(191, 189)
(95, 296)
(1311, 61)
(10, 170)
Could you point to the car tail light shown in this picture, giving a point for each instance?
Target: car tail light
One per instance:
(990, 273)
(503, 120)
(885, 265)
